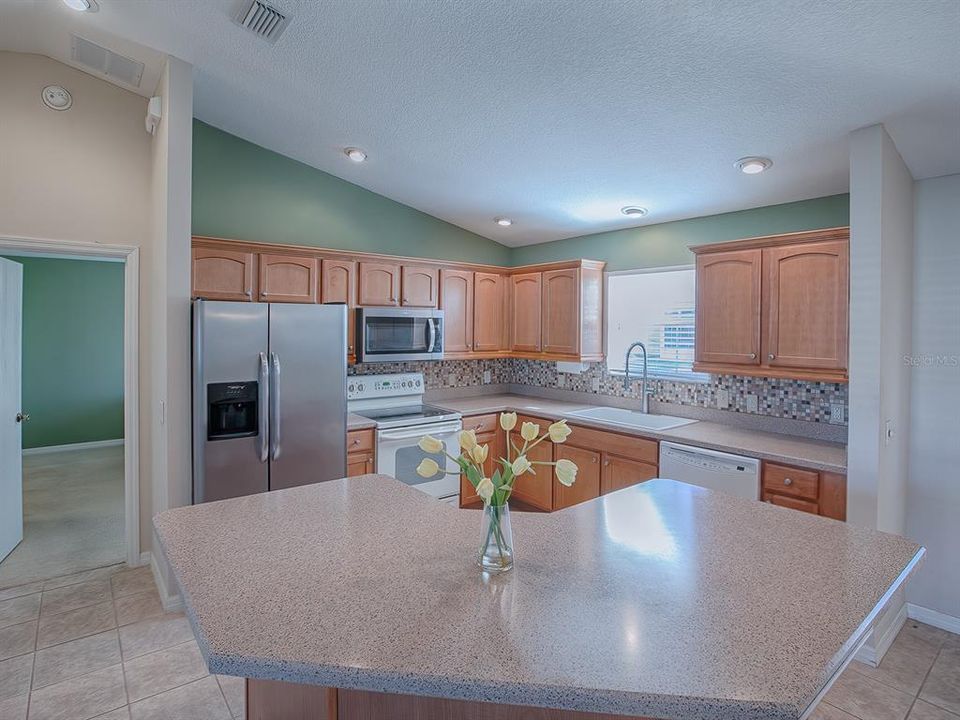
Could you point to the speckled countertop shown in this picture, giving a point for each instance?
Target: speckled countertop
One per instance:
(816, 454)
(358, 422)
(661, 600)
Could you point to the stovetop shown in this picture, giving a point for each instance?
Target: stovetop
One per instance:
(404, 415)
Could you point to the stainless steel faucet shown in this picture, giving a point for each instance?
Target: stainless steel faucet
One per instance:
(644, 395)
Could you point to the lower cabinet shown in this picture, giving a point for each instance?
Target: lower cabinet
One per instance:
(536, 489)
(618, 472)
(488, 432)
(587, 486)
(360, 452)
(816, 492)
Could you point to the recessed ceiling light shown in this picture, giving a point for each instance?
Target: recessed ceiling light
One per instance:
(81, 5)
(753, 165)
(355, 154)
(503, 222)
(634, 210)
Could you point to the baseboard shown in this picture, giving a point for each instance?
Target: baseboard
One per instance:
(872, 651)
(934, 618)
(171, 601)
(73, 446)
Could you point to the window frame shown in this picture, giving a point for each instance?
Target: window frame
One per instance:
(694, 378)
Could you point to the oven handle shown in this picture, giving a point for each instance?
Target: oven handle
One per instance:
(431, 325)
(419, 431)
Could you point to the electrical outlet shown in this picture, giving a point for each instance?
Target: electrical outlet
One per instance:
(451, 379)
(723, 399)
(596, 385)
(486, 377)
(838, 413)
(561, 380)
(752, 403)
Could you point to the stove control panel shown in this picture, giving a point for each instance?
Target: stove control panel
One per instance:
(368, 387)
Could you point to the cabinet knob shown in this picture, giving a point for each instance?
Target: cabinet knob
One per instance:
(249, 293)
(263, 293)
(787, 481)
(606, 463)
(593, 460)
(753, 356)
(771, 356)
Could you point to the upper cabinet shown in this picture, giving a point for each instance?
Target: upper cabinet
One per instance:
(222, 274)
(456, 301)
(776, 306)
(490, 331)
(288, 278)
(338, 284)
(526, 299)
(379, 283)
(421, 286)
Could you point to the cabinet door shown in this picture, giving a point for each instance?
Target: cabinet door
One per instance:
(359, 464)
(489, 312)
(223, 274)
(456, 301)
(806, 506)
(360, 452)
(378, 283)
(421, 286)
(618, 473)
(525, 323)
(535, 489)
(587, 485)
(287, 278)
(561, 311)
(494, 439)
(338, 284)
(728, 307)
(807, 305)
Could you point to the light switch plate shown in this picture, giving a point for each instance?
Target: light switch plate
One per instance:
(561, 380)
(752, 403)
(838, 413)
(486, 377)
(596, 385)
(723, 399)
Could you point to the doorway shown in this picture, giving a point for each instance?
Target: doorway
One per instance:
(69, 411)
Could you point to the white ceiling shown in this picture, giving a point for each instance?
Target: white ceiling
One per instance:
(558, 112)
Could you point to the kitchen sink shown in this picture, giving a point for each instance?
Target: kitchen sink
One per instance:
(629, 418)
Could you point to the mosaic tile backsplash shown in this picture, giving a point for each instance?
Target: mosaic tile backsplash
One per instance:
(790, 399)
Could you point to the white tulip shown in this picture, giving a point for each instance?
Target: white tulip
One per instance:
(430, 444)
(508, 421)
(485, 489)
(559, 431)
(520, 466)
(529, 431)
(428, 468)
(566, 472)
(479, 453)
(468, 439)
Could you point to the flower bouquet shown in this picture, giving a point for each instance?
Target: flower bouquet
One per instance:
(496, 547)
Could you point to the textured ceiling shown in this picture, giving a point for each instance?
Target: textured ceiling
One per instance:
(558, 112)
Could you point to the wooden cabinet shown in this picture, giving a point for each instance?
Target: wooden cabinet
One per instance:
(222, 274)
(618, 472)
(526, 297)
(728, 307)
(587, 485)
(535, 489)
(489, 312)
(560, 331)
(288, 278)
(338, 284)
(420, 285)
(775, 306)
(456, 301)
(817, 492)
(806, 299)
(378, 283)
(360, 452)
(488, 432)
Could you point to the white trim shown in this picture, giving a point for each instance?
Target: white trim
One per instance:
(933, 617)
(73, 446)
(171, 601)
(872, 651)
(130, 256)
(641, 271)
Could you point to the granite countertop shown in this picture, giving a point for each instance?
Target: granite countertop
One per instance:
(359, 422)
(816, 454)
(662, 600)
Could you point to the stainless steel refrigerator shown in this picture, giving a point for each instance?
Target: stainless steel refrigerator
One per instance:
(269, 397)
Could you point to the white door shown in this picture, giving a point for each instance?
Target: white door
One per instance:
(11, 461)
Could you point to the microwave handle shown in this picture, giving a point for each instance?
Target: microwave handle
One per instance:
(432, 327)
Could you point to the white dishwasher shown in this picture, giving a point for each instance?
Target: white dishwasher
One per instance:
(711, 469)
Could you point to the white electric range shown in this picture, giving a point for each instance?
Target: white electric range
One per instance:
(395, 403)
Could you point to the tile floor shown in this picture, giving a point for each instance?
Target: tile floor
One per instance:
(98, 645)
(73, 515)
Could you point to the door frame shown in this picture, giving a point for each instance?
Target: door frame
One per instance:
(130, 257)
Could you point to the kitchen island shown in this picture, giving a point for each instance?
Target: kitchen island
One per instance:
(663, 600)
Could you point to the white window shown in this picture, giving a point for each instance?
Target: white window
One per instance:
(655, 307)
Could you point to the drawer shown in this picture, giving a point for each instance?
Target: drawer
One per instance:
(360, 441)
(626, 446)
(792, 503)
(482, 423)
(786, 480)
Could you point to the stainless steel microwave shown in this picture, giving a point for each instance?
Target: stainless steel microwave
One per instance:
(399, 334)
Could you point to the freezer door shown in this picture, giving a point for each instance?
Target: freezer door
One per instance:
(229, 394)
(308, 394)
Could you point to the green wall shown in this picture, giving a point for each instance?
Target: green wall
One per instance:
(72, 351)
(246, 192)
(666, 243)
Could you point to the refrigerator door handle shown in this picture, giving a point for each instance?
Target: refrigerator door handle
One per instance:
(431, 326)
(275, 406)
(263, 402)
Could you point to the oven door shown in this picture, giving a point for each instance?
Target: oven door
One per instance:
(398, 456)
(400, 334)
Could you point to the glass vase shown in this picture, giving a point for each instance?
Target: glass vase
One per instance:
(496, 539)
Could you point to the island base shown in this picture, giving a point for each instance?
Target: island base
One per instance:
(275, 700)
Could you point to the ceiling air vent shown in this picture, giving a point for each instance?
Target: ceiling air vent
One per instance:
(106, 62)
(263, 20)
